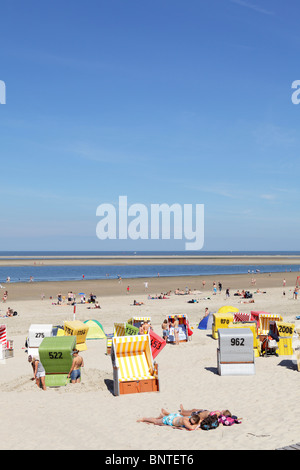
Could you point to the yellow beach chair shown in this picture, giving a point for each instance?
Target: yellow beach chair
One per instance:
(285, 333)
(78, 329)
(134, 370)
(221, 320)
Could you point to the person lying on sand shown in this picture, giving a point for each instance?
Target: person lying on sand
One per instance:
(173, 419)
(225, 417)
(9, 313)
(203, 413)
(96, 305)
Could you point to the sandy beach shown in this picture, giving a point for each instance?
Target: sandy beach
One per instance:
(120, 260)
(89, 416)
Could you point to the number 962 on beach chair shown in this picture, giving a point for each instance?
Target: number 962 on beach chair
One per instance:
(134, 370)
(235, 354)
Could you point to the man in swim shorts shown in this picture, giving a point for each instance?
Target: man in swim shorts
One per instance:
(75, 372)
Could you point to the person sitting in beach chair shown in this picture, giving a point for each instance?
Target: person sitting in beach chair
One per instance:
(173, 419)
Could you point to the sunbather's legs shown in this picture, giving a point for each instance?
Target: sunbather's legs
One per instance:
(158, 421)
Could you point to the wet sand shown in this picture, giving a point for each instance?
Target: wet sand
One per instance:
(112, 287)
(122, 260)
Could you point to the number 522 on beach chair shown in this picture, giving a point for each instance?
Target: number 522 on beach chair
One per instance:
(134, 370)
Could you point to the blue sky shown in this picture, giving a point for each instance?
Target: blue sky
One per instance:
(165, 101)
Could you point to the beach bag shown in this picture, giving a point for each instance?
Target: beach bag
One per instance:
(229, 420)
(272, 343)
(211, 422)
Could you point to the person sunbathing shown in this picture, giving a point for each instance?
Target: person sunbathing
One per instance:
(10, 312)
(96, 305)
(203, 413)
(173, 419)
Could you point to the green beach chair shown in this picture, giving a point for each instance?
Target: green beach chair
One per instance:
(56, 356)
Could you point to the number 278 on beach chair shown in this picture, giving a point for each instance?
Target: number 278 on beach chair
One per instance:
(133, 367)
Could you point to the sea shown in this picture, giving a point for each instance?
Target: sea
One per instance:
(40, 272)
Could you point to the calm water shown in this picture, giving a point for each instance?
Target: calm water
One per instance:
(64, 273)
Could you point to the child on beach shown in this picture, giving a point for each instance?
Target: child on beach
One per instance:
(165, 328)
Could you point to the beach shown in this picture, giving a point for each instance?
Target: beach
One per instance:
(88, 416)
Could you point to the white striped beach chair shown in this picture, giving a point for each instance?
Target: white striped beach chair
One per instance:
(133, 366)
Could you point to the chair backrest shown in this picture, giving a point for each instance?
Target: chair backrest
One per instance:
(252, 326)
(125, 329)
(242, 317)
(37, 332)
(56, 354)
(78, 329)
(136, 321)
(132, 355)
(264, 322)
(3, 337)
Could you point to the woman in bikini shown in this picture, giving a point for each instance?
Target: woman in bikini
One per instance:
(175, 325)
(203, 413)
(173, 419)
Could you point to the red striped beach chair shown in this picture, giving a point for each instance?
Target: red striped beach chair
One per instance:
(3, 337)
(241, 317)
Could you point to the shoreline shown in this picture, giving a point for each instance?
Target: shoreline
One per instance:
(149, 260)
(156, 285)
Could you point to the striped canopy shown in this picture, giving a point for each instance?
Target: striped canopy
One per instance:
(133, 357)
(3, 338)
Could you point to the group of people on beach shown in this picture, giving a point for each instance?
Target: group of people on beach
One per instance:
(166, 329)
(145, 327)
(39, 373)
(71, 299)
